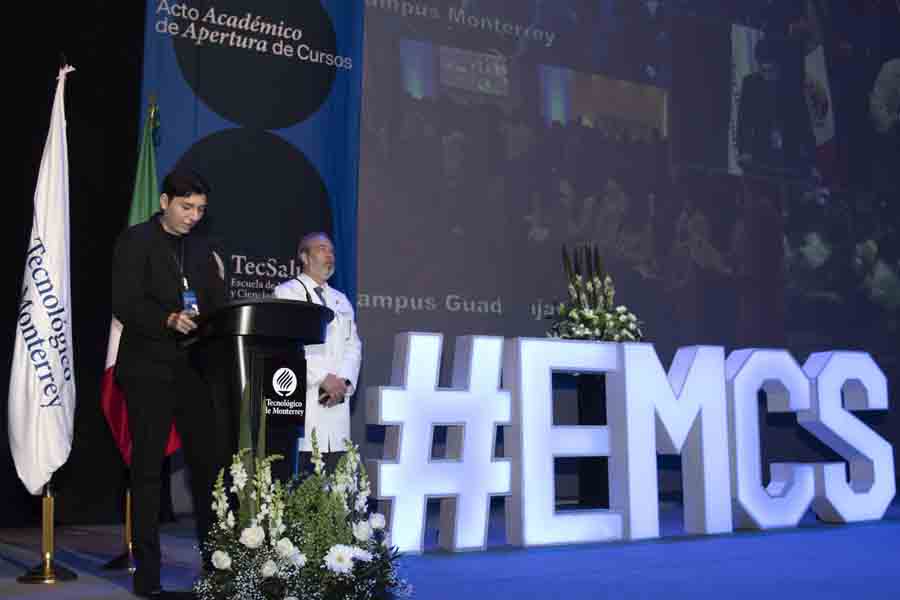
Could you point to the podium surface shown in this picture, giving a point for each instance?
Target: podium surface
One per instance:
(299, 321)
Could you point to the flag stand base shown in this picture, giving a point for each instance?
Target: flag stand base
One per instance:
(123, 562)
(47, 572)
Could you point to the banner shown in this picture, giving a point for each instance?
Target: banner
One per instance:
(42, 382)
(263, 101)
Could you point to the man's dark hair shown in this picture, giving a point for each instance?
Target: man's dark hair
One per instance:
(184, 182)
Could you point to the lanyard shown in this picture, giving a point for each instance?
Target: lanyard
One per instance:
(320, 292)
(305, 289)
(179, 263)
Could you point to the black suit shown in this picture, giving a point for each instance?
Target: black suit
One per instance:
(159, 381)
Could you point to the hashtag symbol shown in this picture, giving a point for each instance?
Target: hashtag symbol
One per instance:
(411, 407)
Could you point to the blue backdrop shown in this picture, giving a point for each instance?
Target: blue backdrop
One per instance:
(263, 100)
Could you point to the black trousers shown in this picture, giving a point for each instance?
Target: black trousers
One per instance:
(153, 404)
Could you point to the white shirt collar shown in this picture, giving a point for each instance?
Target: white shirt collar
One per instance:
(312, 283)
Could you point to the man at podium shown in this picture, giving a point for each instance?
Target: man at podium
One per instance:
(165, 274)
(332, 368)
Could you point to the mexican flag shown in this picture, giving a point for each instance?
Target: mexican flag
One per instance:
(144, 203)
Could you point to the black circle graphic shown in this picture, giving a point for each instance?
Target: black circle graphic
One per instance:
(248, 86)
(265, 193)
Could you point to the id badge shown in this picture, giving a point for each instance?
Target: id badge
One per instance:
(343, 324)
(189, 301)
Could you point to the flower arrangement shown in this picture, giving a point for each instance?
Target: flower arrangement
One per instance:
(590, 312)
(309, 539)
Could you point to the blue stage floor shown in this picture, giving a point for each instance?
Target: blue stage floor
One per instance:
(815, 561)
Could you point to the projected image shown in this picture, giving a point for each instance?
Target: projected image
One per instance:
(428, 69)
(601, 153)
(495, 176)
(433, 173)
(771, 123)
(736, 172)
(480, 72)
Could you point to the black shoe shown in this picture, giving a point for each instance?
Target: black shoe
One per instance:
(154, 593)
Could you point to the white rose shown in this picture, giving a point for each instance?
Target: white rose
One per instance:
(268, 569)
(285, 548)
(362, 531)
(376, 520)
(253, 537)
(221, 560)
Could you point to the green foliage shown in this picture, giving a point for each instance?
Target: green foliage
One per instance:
(309, 539)
(317, 517)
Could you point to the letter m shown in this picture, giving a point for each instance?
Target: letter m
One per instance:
(682, 413)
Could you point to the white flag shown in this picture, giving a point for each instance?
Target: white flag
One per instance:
(42, 381)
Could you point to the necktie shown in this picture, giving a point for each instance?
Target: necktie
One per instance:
(321, 293)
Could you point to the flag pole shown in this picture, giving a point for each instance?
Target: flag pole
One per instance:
(125, 561)
(48, 571)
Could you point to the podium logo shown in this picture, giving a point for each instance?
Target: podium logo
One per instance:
(284, 382)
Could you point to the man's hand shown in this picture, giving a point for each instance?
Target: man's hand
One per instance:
(182, 322)
(335, 389)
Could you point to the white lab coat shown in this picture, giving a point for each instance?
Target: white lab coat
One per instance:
(339, 355)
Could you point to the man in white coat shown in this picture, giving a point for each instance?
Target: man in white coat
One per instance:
(332, 368)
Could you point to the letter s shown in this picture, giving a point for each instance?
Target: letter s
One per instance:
(854, 378)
